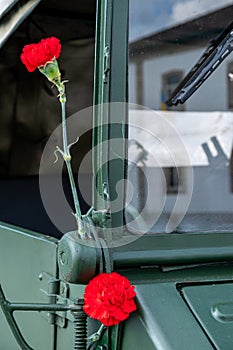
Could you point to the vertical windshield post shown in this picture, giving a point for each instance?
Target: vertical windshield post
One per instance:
(109, 120)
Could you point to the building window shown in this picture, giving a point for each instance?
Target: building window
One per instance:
(175, 180)
(170, 81)
(230, 85)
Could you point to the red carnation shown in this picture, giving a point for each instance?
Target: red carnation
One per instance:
(109, 298)
(37, 55)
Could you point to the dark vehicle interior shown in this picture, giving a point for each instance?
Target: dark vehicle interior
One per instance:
(30, 110)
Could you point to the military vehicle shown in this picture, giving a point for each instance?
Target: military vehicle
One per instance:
(152, 165)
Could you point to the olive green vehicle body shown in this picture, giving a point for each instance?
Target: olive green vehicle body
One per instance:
(184, 282)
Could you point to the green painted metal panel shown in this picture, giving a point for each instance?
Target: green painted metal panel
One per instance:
(23, 257)
(165, 319)
(212, 305)
(166, 249)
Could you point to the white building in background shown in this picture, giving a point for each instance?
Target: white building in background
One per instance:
(157, 63)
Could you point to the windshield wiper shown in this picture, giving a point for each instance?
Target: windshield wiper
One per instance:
(218, 50)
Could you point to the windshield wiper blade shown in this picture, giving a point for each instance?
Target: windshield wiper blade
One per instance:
(218, 50)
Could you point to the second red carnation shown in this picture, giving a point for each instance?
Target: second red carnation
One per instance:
(109, 298)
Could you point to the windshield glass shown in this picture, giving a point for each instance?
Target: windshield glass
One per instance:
(180, 165)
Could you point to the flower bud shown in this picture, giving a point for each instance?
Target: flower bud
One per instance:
(51, 71)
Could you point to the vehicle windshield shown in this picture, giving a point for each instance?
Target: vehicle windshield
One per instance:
(180, 165)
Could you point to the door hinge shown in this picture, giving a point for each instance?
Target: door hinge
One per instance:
(54, 291)
(106, 64)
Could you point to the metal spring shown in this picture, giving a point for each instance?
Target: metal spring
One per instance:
(80, 330)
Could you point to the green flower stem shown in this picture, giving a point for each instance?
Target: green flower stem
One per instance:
(67, 158)
(52, 73)
(96, 336)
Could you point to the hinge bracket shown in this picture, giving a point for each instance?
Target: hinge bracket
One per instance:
(54, 291)
(106, 64)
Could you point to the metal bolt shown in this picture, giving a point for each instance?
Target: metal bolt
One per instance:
(63, 258)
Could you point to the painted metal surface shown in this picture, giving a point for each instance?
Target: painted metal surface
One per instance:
(212, 306)
(110, 86)
(174, 311)
(24, 256)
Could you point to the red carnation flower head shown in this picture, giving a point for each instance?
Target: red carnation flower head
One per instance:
(109, 298)
(38, 55)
